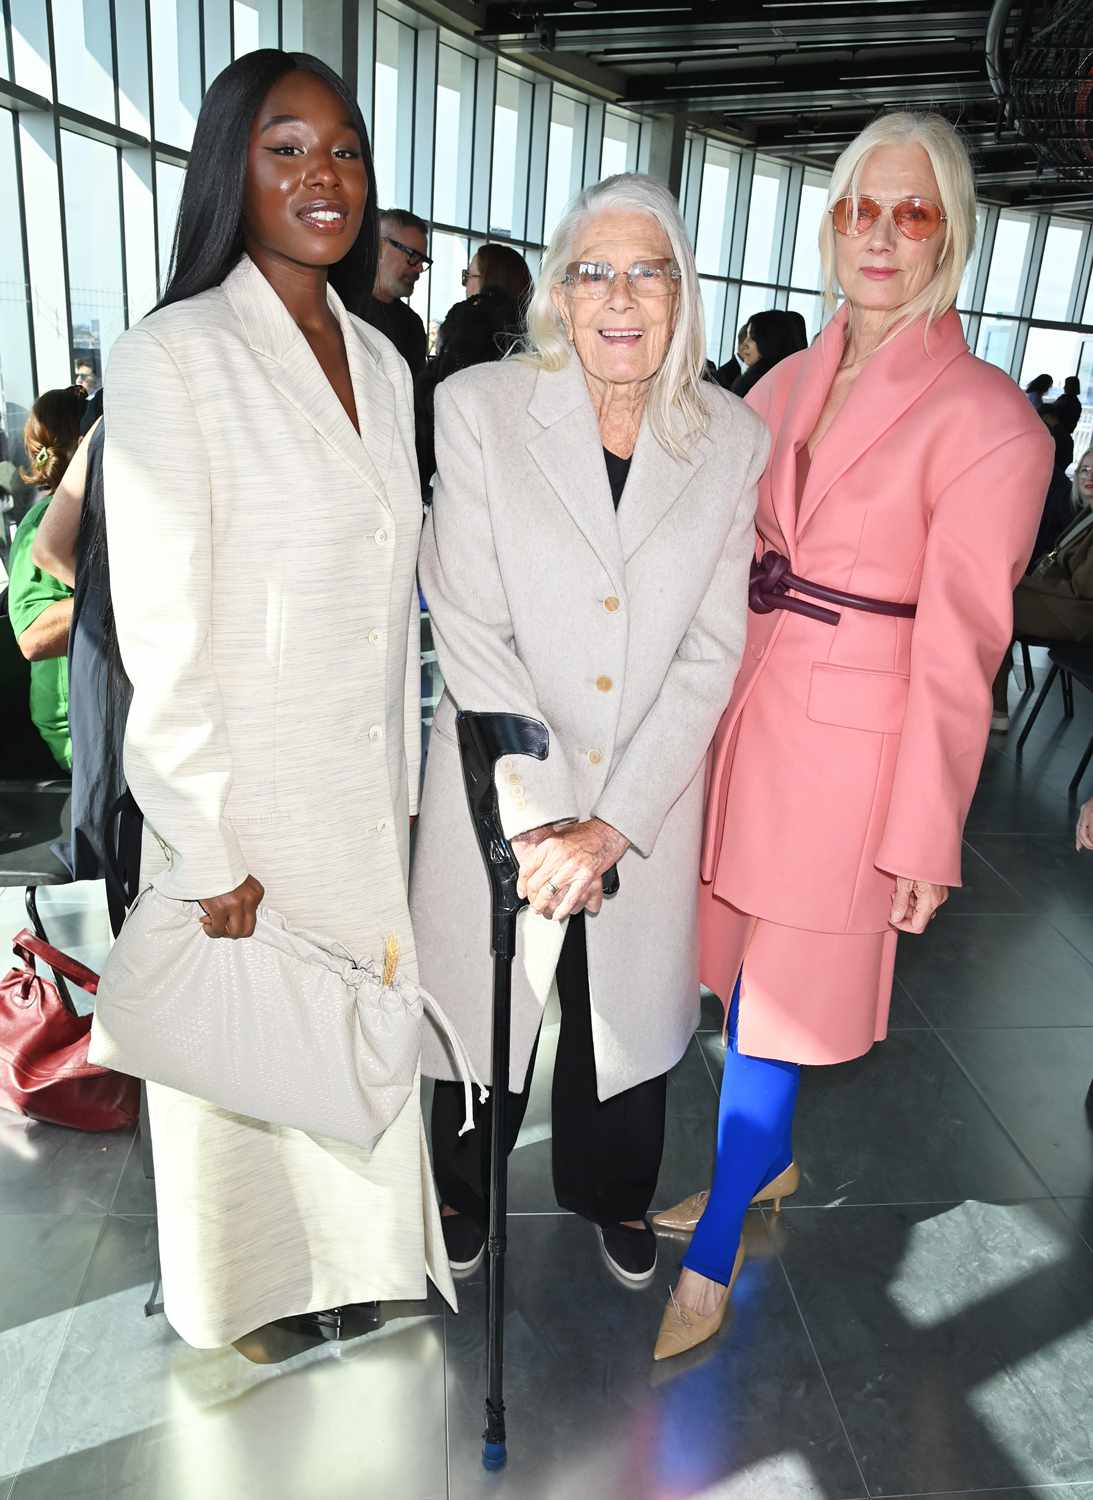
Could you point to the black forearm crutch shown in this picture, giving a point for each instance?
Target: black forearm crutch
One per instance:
(483, 739)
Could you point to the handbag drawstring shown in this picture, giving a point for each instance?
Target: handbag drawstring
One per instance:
(467, 1075)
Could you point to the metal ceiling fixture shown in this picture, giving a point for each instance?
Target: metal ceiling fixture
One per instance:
(1048, 89)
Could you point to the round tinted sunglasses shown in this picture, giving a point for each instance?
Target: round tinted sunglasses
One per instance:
(915, 218)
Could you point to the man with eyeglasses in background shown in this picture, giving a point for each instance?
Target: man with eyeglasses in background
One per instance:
(403, 241)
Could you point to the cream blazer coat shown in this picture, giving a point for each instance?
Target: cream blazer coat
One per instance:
(263, 572)
(623, 635)
(849, 754)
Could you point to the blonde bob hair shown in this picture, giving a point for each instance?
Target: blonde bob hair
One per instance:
(956, 187)
(675, 405)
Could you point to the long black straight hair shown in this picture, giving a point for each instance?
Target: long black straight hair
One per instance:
(208, 239)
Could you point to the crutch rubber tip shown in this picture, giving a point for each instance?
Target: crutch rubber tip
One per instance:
(494, 1456)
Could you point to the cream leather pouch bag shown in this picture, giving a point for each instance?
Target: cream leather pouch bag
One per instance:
(284, 1026)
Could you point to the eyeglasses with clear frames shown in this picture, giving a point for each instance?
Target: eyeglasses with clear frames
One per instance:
(597, 278)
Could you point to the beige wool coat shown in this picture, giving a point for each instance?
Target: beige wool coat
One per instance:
(623, 635)
(262, 564)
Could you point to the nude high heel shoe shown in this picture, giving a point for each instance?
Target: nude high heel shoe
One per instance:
(684, 1217)
(681, 1329)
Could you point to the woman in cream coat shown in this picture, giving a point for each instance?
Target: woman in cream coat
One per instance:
(263, 514)
(620, 627)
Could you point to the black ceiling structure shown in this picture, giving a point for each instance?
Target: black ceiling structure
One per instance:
(799, 80)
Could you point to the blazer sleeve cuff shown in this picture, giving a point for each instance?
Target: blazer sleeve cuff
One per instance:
(196, 877)
(532, 793)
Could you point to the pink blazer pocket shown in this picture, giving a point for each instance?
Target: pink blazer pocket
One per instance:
(856, 698)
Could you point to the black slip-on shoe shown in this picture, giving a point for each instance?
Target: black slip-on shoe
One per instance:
(465, 1242)
(631, 1253)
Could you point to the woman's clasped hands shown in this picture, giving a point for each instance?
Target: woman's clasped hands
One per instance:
(562, 866)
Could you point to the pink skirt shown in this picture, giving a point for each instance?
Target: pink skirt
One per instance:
(805, 997)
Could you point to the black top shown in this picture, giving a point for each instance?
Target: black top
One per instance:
(617, 470)
(403, 327)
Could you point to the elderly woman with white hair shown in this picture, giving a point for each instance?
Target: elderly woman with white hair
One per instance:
(585, 563)
(897, 512)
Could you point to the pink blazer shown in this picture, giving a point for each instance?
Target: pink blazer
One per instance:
(849, 754)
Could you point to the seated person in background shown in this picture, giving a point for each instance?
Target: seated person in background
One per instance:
(1067, 413)
(403, 257)
(1062, 502)
(733, 368)
(1038, 388)
(772, 335)
(39, 605)
(1055, 601)
(501, 267)
(483, 328)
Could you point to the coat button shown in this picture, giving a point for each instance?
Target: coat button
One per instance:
(381, 538)
(611, 604)
(595, 757)
(604, 684)
(374, 637)
(375, 734)
(514, 781)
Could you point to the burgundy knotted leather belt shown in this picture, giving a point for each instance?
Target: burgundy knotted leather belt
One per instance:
(771, 581)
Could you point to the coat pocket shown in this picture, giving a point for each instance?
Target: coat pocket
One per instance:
(857, 698)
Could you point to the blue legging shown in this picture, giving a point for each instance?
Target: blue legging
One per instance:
(754, 1144)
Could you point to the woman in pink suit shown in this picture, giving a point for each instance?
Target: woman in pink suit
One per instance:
(896, 514)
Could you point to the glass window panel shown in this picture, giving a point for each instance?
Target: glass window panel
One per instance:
(753, 299)
(811, 308)
(85, 61)
(1087, 316)
(30, 46)
(806, 251)
(511, 140)
(131, 34)
(715, 209)
(5, 60)
(566, 149)
(169, 180)
(967, 283)
(454, 137)
(392, 128)
(451, 254)
(1057, 271)
(1051, 351)
(176, 69)
(1011, 243)
(93, 226)
(619, 152)
(16, 386)
(763, 243)
(245, 27)
(713, 307)
(995, 345)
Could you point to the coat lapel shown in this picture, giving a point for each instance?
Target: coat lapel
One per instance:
(297, 374)
(569, 453)
(896, 376)
(792, 426)
(653, 486)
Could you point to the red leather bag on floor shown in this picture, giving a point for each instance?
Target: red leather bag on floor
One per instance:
(44, 1071)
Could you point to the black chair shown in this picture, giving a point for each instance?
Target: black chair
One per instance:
(1076, 665)
(1049, 681)
(34, 816)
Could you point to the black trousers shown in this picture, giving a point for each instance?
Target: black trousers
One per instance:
(606, 1156)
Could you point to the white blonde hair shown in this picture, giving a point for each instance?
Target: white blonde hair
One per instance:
(676, 407)
(956, 188)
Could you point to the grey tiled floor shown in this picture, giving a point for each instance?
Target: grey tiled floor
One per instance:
(919, 1320)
